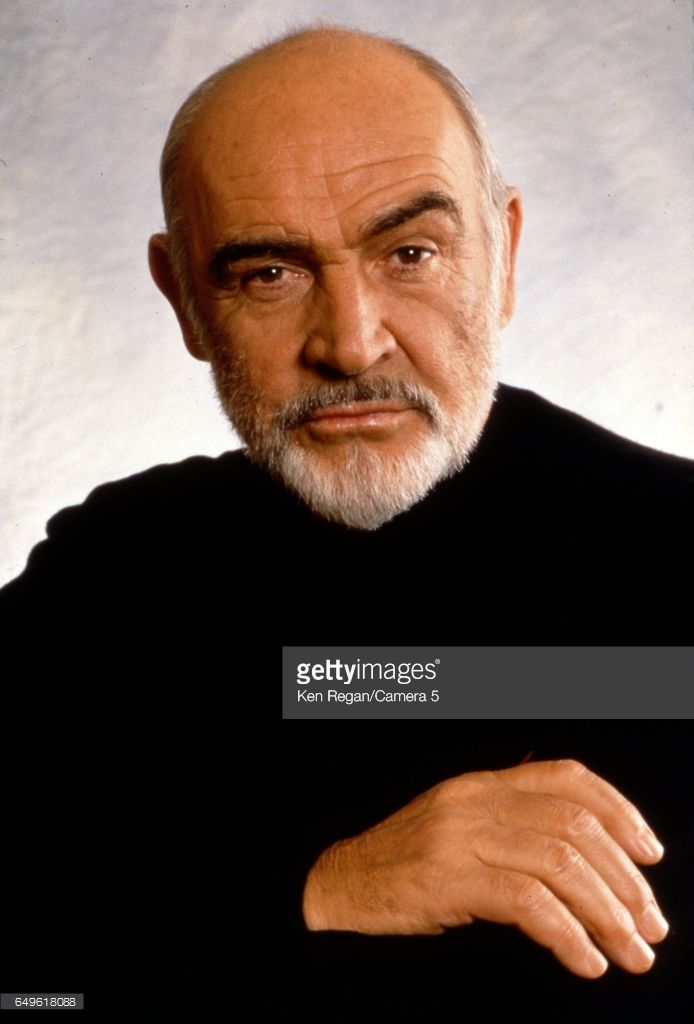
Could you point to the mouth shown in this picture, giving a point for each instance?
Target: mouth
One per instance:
(371, 417)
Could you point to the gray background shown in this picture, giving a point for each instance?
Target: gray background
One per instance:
(589, 107)
(507, 683)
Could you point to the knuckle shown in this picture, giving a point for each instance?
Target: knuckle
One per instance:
(574, 769)
(529, 897)
(444, 793)
(620, 926)
(561, 858)
(566, 936)
(461, 788)
(582, 824)
(640, 893)
(625, 810)
(635, 882)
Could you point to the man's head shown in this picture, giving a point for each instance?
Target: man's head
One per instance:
(341, 250)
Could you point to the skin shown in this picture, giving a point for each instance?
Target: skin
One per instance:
(306, 151)
(549, 847)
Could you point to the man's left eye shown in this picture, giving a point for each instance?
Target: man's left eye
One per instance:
(411, 256)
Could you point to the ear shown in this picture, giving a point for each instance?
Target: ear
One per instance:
(512, 223)
(166, 280)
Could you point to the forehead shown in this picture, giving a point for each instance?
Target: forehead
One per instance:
(319, 153)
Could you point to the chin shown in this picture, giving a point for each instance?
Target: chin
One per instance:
(365, 487)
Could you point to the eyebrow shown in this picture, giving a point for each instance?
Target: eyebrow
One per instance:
(280, 247)
(415, 207)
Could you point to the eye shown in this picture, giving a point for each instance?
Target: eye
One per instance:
(275, 281)
(266, 275)
(412, 254)
(408, 260)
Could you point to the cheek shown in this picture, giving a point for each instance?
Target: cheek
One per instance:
(268, 350)
(435, 334)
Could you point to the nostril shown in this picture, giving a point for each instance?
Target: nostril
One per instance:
(327, 371)
(345, 353)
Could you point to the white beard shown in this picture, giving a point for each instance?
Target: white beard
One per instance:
(366, 489)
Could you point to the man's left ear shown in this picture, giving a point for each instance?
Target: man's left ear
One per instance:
(512, 223)
(166, 280)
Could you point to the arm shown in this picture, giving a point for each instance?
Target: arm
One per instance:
(547, 846)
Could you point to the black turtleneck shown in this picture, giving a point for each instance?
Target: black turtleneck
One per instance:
(152, 795)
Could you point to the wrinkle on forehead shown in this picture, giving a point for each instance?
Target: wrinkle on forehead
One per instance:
(341, 180)
(301, 152)
(299, 182)
(308, 173)
(325, 219)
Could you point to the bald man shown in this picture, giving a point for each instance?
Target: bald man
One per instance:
(341, 269)
(340, 247)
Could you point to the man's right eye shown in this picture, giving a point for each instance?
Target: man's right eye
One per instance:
(266, 275)
(275, 281)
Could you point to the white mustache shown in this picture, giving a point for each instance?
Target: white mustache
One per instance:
(355, 390)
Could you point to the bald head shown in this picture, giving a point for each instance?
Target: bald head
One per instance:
(308, 81)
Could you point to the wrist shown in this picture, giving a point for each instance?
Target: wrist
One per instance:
(313, 918)
(314, 898)
(319, 904)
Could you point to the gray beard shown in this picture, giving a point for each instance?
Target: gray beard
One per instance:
(366, 489)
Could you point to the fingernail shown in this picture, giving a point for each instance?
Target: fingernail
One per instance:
(649, 845)
(653, 924)
(640, 954)
(595, 962)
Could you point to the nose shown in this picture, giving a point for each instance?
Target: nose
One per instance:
(347, 334)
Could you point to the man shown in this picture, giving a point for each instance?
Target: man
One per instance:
(341, 249)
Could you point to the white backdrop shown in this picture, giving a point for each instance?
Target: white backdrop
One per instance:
(589, 107)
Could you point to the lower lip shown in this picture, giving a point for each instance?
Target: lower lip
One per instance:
(371, 422)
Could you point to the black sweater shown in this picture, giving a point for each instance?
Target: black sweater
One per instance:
(156, 795)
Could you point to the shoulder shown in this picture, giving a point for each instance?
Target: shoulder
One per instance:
(165, 492)
(185, 478)
(544, 436)
(148, 518)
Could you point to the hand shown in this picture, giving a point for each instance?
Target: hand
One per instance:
(547, 846)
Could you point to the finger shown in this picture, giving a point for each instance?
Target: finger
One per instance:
(564, 871)
(509, 897)
(572, 781)
(582, 830)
